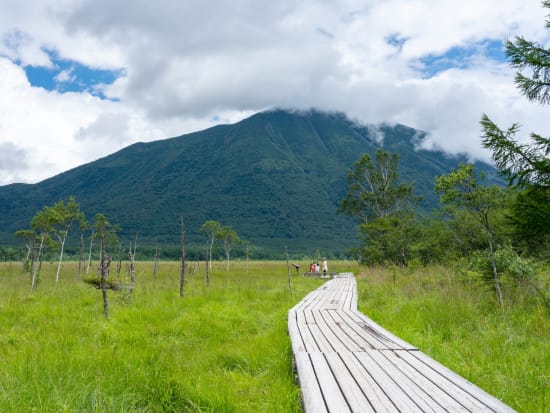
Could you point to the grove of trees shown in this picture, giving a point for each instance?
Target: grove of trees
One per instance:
(494, 230)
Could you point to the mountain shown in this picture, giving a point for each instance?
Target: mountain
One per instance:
(276, 178)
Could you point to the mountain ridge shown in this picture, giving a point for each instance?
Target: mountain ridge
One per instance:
(276, 177)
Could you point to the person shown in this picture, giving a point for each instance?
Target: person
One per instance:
(325, 266)
(316, 267)
(312, 267)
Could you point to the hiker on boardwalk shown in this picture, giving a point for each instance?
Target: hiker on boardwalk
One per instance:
(325, 266)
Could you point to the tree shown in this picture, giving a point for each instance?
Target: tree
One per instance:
(64, 216)
(527, 166)
(211, 229)
(107, 236)
(41, 225)
(374, 190)
(229, 238)
(463, 189)
(182, 263)
(82, 227)
(388, 239)
(383, 205)
(29, 236)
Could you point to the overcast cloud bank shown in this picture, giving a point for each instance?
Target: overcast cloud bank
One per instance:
(183, 66)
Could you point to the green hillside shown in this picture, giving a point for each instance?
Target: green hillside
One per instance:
(277, 178)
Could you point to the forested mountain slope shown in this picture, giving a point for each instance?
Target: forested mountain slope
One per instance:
(276, 178)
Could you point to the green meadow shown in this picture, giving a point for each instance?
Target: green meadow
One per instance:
(224, 348)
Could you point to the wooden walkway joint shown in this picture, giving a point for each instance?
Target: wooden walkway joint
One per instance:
(348, 363)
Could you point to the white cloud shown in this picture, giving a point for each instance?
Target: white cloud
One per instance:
(191, 64)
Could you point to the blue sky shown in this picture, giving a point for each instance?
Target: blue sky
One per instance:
(137, 72)
(66, 75)
(463, 57)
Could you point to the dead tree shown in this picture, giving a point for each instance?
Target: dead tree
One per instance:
(156, 265)
(207, 266)
(131, 270)
(106, 234)
(182, 268)
(90, 252)
(119, 261)
(288, 269)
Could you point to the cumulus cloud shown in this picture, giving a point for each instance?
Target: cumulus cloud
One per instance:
(189, 65)
(13, 161)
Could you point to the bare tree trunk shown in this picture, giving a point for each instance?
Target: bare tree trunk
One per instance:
(288, 268)
(104, 264)
(207, 266)
(26, 260)
(156, 266)
(62, 242)
(119, 262)
(81, 254)
(36, 269)
(210, 252)
(495, 272)
(33, 260)
(131, 271)
(182, 269)
(90, 254)
(247, 259)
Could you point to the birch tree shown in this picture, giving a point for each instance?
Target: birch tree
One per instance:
(64, 214)
(229, 238)
(211, 229)
(41, 224)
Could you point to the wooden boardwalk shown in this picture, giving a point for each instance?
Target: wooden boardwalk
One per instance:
(348, 363)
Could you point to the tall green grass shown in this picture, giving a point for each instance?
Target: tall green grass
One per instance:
(222, 348)
(458, 322)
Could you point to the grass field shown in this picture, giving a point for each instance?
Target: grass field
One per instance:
(460, 324)
(224, 348)
(219, 349)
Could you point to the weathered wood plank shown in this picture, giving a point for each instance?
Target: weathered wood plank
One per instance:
(346, 362)
(332, 393)
(469, 392)
(374, 393)
(312, 396)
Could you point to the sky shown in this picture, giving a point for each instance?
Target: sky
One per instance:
(80, 79)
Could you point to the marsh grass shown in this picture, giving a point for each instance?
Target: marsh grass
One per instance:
(222, 348)
(459, 323)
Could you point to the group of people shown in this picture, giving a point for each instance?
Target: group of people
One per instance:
(314, 266)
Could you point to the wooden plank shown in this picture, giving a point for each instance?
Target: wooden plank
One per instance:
(331, 331)
(353, 394)
(362, 338)
(347, 362)
(332, 394)
(305, 333)
(370, 388)
(472, 394)
(381, 332)
(400, 399)
(375, 338)
(450, 397)
(312, 396)
(298, 345)
(323, 343)
(420, 396)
